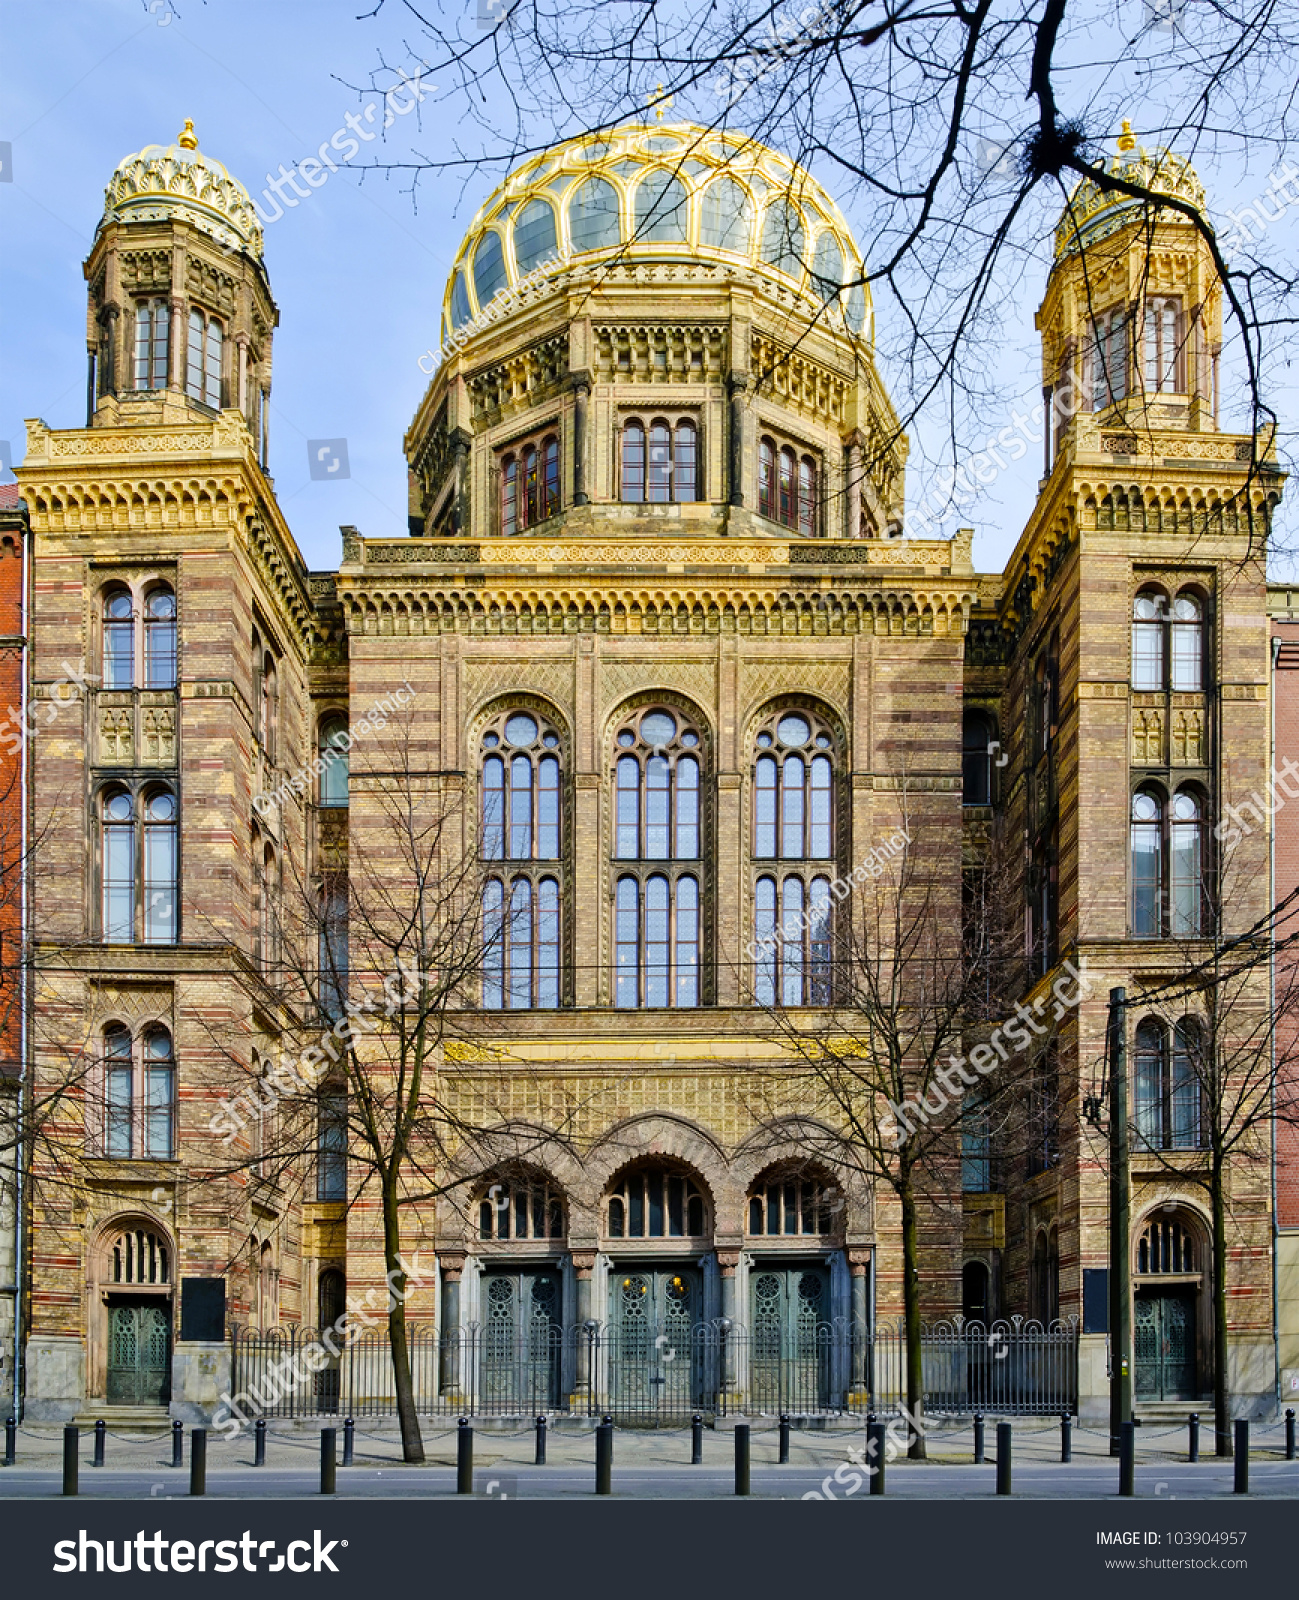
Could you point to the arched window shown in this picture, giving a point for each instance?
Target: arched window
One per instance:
(1107, 358)
(594, 216)
(1162, 342)
(1169, 866)
(1168, 1073)
(521, 1210)
(138, 899)
(331, 1298)
(535, 238)
(827, 267)
(1147, 864)
(1168, 637)
(160, 864)
(119, 887)
(331, 1146)
(530, 490)
(1167, 1244)
(332, 944)
(976, 1292)
(976, 758)
(657, 941)
(726, 220)
(119, 640)
(270, 882)
(152, 325)
(655, 1202)
(787, 487)
(203, 364)
(1186, 866)
(160, 639)
(521, 944)
(335, 743)
(1187, 628)
(490, 276)
(782, 238)
(139, 1256)
(665, 471)
(792, 937)
(766, 477)
(139, 1095)
(1149, 610)
(660, 209)
(793, 1203)
(268, 705)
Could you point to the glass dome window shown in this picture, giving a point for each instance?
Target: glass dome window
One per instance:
(593, 215)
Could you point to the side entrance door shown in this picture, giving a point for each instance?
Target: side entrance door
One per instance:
(520, 1341)
(1164, 1345)
(652, 1343)
(139, 1353)
(792, 1338)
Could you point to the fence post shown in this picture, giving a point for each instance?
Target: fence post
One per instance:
(1127, 1459)
(1289, 1434)
(71, 1443)
(1003, 1457)
(875, 1455)
(11, 1440)
(1066, 1436)
(590, 1327)
(178, 1444)
(328, 1460)
(741, 1458)
(464, 1457)
(784, 1439)
(604, 1457)
(978, 1438)
(540, 1459)
(1193, 1436)
(696, 1440)
(198, 1461)
(1241, 1484)
(101, 1428)
(349, 1440)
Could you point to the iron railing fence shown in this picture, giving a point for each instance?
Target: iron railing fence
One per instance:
(647, 1376)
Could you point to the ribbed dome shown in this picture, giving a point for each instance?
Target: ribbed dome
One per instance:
(1092, 214)
(177, 180)
(659, 192)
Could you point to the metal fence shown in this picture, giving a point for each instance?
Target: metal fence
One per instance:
(647, 1377)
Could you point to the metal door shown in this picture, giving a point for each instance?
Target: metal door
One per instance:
(139, 1341)
(1164, 1346)
(792, 1339)
(652, 1343)
(520, 1341)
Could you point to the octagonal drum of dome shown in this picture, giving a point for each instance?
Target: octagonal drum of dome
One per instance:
(658, 192)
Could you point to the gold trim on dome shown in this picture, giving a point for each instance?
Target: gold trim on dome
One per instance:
(177, 180)
(1092, 212)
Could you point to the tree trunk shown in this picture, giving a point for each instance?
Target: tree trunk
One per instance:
(412, 1441)
(911, 1316)
(1221, 1396)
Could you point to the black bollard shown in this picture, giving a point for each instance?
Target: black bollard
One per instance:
(349, 1440)
(875, 1435)
(328, 1460)
(1127, 1459)
(1289, 1434)
(1241, 1484)
(1066, 1436)
(696, 1440)
(464, 1457)
(101, 1428)
(741, 1458)
(784, 1440)
(11, 1441)
(1003, 1457)
(259, 1442)
(198, 1461)
(177, 1444)
(978, 1438)
(540, 1458)
(1193, 1436)
(604, 1457)
(71, 1442)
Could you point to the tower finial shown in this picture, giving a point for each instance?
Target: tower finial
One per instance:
(1126, 139)
(187, 139)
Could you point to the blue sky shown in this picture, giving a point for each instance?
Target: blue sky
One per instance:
(358, 269)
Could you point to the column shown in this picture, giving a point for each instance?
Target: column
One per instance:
(241, 347)
(852, 521)
(108, 380)
(583, 1265)
(727, 1261)
(178, 343)
(859, 1313)
(581, 397)
(736, 470)
(460, 516)
(453, 1267)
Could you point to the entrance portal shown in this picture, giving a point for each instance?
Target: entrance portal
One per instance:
(139, 1351)
(652, 1344)
(1164, 1340)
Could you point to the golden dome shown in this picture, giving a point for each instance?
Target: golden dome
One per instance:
(663, 192)
(1092, 214)
(177, 180)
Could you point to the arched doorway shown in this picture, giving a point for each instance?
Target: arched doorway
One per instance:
(1171, 1258)
(135, 1273)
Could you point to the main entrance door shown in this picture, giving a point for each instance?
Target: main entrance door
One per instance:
(1164, 1345)
(139, 1351)
(520, 1349)
(652, 1346)
(792, 1338)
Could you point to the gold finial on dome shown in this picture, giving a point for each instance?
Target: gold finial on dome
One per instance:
(1127, 139)
(187, 139)
(659, 100)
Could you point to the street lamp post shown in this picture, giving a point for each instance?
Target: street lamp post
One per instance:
(1120, 1225)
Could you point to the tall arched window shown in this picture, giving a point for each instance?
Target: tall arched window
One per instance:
(659, 460)
(160, 639)
(331, 1298)
(1149, 611)
(119, 1090)
(118, 867)
(331, 1145)
(521, 1210)
(1187, 628)
(594, 216)
(139, 1094)
(530, 490)
(726, 217)
(793, 821)
(119, 640)
(160, 863)
(268, 705)
(782, 239)
(787, 486)
(1107, 358)
(1168, 642)
(1169, 1072)
(152, 322)
(1162, 343)
(1169, 866)
(203, 363)
(521, 786)
(792, 1201)
(335, 743)
(655, 1202)
(270, 883)
(1147, 864)
(976, 758)
(657, 819)
(660, 209)
(138, 867)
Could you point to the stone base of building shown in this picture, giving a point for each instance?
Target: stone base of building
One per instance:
(56, 1379)
(1250, 1375)
(200, 1375)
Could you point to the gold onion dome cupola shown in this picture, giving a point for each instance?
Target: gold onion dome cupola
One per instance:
(1093, 212)
(178, 180)
(659, 192)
